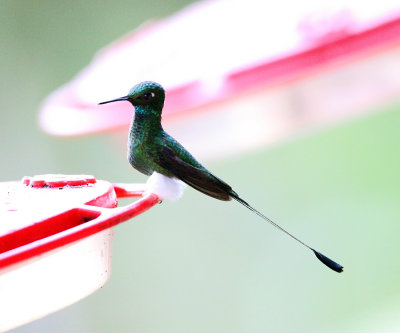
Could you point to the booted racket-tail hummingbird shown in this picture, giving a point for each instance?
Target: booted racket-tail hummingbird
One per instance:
(151, 149)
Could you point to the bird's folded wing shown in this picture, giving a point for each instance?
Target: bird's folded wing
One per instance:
(200, 179)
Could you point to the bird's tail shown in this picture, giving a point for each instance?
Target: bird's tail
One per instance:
(325, 260)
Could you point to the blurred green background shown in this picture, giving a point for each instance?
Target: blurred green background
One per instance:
(199, 265)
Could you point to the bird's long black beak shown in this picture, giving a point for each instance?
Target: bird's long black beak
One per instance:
(125, 98)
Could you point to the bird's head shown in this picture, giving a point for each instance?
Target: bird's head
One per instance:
(146, 93)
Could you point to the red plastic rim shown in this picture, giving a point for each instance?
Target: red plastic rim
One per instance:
(70, 226)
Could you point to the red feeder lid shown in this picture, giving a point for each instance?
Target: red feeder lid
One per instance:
(260, 50)
(42, 213)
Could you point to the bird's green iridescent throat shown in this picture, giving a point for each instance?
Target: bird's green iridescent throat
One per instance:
(145, 131)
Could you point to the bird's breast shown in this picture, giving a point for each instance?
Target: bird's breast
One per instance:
(137, 157)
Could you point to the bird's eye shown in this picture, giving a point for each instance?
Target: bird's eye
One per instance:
(147, 96)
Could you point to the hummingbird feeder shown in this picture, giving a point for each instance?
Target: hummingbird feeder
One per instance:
(56, 241)
(260, 80)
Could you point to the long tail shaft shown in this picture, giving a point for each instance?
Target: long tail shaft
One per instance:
(324, 259)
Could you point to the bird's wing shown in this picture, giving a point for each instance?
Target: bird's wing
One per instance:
(198, 178)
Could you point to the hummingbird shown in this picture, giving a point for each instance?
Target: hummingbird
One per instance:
(151, 149)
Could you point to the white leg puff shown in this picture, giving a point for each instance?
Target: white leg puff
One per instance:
(166, 188)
